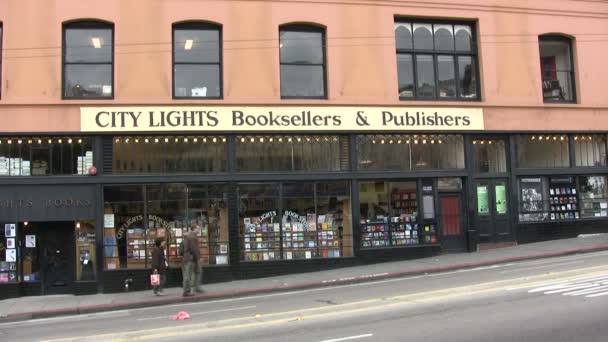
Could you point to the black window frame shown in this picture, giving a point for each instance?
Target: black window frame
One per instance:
(305, 28)
(455, 54)
(568, 41)
(86, 24)
(201, 25)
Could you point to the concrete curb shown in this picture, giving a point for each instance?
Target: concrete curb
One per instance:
(285, 287)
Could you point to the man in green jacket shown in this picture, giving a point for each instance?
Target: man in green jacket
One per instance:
(191, 262)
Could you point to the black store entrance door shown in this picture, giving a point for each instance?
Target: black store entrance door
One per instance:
(58, 257)
(492, 210)
(450, 221)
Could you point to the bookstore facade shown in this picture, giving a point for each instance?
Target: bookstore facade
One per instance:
(368, 184)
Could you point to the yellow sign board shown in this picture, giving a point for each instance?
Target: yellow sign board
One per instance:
(278, 119)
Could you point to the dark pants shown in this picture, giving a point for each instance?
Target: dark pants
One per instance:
(161, 286)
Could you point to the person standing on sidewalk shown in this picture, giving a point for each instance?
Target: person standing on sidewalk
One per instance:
(159, 265)
(191, 262)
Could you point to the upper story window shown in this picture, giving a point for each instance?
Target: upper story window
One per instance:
(88, 60)
(302, 50)
(197, 61)
(556, 68)
(436, 61)
(1, 56)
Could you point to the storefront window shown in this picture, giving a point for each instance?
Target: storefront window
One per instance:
(85, 251)
(500, 197)
(124, 235)
(291, 153)
(169, 154)
(208, 207)
(490, 156)
(534, 205)
(389, 215)
(542, 151)
(594, 196)
(590, 150)
(8, 253)
(42, 156)
(563, 198)
(410, 152)
(259, 221)
(313, 220)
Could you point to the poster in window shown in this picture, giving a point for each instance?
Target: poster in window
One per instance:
(11, 255)
(501, 198)
(10, 230)
(482, 199)
(531, 195)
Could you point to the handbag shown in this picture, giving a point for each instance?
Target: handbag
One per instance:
(155, 279)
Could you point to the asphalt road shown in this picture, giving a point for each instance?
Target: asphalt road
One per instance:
(558, 299)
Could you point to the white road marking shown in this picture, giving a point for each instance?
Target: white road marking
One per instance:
(348, 338)
(200, 313)
(548, 265)
(586, 291)
(592, 286)
(597, 295)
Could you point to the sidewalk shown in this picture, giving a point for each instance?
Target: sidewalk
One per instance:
(48, 306)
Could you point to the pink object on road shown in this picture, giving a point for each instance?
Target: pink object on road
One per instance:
(181, 316)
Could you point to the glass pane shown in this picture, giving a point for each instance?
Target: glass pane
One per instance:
(301, 47)
(383, 152)
(88, 45)
(426, 77)
(85, 251)
(590, 150)
(197, 80)
(463, 37)
(594, 196)
(563, 198)
(405, 70)
(500, 196)
(467, 73)
(403, 36)
(167, 219)
(556, 68)
(423, 36)
(533, 206)
(490, 156)
(302, 81)
(536, 151)
(335, 229)
(299, 221)
(259, 221)
(447, 76)
(88, 80)
(444, 38)
(482, 200)
(32, 253)
(124, 235)
(374, 210)
(196, 45)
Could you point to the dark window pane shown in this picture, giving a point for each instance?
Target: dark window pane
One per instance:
(590, 150)
(88, 45)
(405, 69)
(423, 36)
(444, 38)
(197, 80)
(490, 156)
(426, 76)
(403, 36)
(556, 68)
(196, 46)
(88, 80)
(447, 77)
(468, 77)
(301, 47)
(302, 81)
(542, 151)
(463, 37)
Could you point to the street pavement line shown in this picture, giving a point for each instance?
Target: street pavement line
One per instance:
(197, 326)
(348, 338)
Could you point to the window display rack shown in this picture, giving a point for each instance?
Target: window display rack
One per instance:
(374, 233)
(299, 240)
(329, 235)
(261, 241)
(564, 202)
(403, 231)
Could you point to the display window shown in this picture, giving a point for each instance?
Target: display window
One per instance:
(85, 250)
(8, 253)
(590, 150)
(534, 202)
(171, 210)
(490, 156)
(295, 220)
(389, 214)
(593, 196)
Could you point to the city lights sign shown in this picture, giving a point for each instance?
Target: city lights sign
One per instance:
(278, 118)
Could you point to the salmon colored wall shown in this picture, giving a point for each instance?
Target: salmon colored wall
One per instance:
(360, 55)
